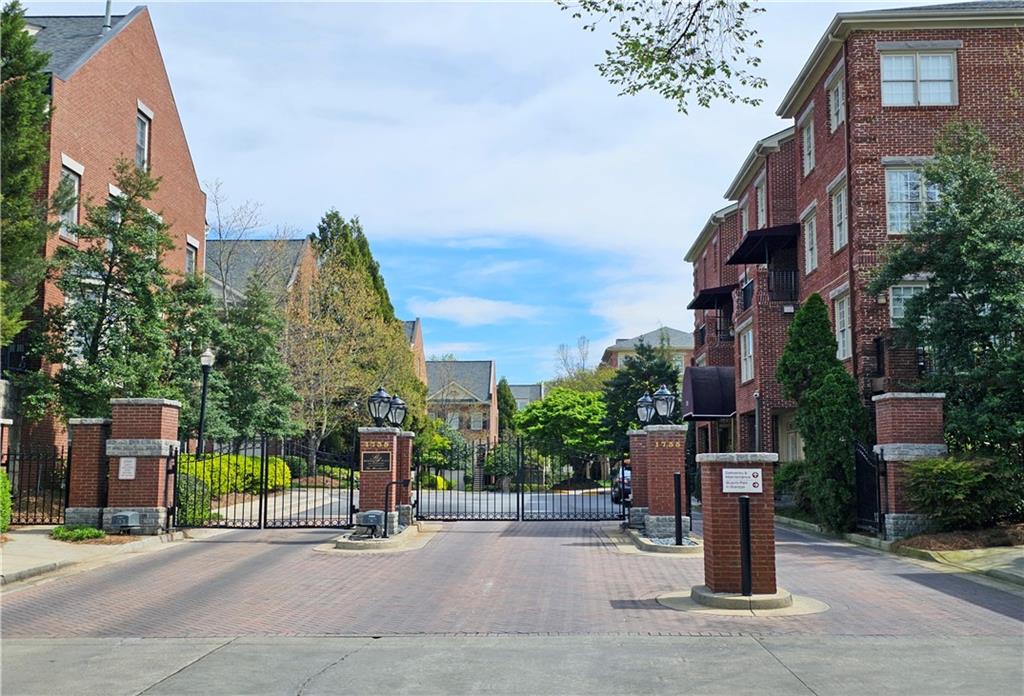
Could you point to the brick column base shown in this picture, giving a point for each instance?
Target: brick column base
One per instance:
(722, 569)
(378, 448)
(664, 455)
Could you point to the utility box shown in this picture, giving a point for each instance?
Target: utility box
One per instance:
(372, 521)
(125, 521)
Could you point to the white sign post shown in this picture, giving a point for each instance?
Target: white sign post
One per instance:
(126, 468)
(742, 481)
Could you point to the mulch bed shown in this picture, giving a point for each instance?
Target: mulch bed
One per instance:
(109, 540)
(1009, 535)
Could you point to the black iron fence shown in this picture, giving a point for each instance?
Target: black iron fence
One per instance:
(39, 485)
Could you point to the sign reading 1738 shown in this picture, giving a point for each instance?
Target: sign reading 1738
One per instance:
(742, 481)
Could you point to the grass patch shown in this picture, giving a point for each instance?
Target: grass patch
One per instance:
(76, 533)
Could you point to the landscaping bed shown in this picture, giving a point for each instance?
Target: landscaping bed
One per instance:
(1008, 535)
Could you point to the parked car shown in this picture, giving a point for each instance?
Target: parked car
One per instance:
(621, 489)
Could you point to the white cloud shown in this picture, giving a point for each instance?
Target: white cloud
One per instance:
(471, 311)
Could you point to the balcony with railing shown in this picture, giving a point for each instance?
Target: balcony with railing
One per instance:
(783, 285)
(724, 329)
(747, 295)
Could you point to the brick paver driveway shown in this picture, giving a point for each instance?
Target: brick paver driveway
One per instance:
(487, 578)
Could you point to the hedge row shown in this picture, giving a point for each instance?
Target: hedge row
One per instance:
(5, 502)
(234, 473)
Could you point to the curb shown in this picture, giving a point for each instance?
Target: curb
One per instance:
(906, 551)
(44, 568)
(651, 547)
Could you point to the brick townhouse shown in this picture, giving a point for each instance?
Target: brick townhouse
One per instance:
(817, 204)
(111, 98)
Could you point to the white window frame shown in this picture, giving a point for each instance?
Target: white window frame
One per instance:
(839, 206)
(453, 420)
(761, 201)
(746, 355)
(70, 217)
(476, 421)
(146, 121)
(925, 197)
(919, 287)
(195, 259)
(954, 84)
(836, 90)
(844, 333)
(805, 124)
(809, 228)
(744, 217)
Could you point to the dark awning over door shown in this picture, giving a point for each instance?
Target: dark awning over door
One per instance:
(709, 393)
(713, 298)
(758, 245)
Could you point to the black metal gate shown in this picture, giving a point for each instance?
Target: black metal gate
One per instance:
(39, 485)
(512, 481)
(867, 475)
(265, 483)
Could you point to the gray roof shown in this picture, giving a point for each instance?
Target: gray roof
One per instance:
(72, 39)
(675, 337)
(983, 5)
(472, 375)
(530, 392)
(409, 326)
(276, 257)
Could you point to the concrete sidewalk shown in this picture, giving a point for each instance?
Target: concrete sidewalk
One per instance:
(536, 665)
(1002, 562)
(30, 552)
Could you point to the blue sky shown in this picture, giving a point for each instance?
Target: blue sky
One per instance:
(513, 200)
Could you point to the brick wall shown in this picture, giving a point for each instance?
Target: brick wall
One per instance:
(638, 464)
(142, 419)
(403, 468)
(372, 484)
(722, 570)
(665, 455)
(88, 462)
(909, 419)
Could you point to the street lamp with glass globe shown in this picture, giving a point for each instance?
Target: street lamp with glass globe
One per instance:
(664, 403)
(206, 361)
(379, 405)
(645, 409)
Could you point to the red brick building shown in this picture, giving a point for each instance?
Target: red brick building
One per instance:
(111, 98)
(816, 204)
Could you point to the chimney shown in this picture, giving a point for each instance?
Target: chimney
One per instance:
(106, 18)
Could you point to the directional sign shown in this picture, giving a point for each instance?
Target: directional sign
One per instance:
(742, 481)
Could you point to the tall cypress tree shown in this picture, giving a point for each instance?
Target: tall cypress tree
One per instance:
(335, 234)
(643, 372)
(506, 408)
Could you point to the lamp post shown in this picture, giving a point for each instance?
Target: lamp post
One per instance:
(206, 360)
(379, 406)
(645, 409)
(396, 412)
(664, 403)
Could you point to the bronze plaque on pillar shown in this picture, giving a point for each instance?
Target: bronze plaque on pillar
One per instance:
(376, 461)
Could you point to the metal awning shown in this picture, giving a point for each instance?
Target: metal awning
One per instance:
(758, 245)
(709, 393)
(713, 298)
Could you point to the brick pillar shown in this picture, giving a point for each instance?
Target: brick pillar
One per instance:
(722, 569)
(87, 490)
(638, 477)
(142, 434)
(665, 455)
(403, 472)
(5, 437)
(378, 464)
(909, 426)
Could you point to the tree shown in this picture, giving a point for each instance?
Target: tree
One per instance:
(110, 335)
(506, 408)
(970, 317)
(592, 379)
(335, 234)
(332, 327)
(24, 149)
(232, 225)
(567, 424)
(572, 362)
(642, 373)
(192, 327)
(685, 50)
(829, 413)
(259, 392)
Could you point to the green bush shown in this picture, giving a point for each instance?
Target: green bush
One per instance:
(793, 478)
(966, 493)
(434, 482)
(76, 533)
(235, 473)
(5, 502)
(297, 466)
(338, 473)
(193, 501)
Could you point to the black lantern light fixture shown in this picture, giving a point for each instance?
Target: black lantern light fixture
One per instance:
(664, 403)
(396, 414)
(645, 409)
(379, 405)
(206, 361)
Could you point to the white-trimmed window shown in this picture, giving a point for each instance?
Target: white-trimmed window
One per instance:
(476, 421)
(906, 196)
(844, 337)
(142, 124)
(836, 103)
(810, 227)
(919, 79)
(191, 253)
(898, 297)
(840, 223)
(69, 217)
(761, 197)
(746, 355)
(744, 218)
(807, 144)
(453, 421)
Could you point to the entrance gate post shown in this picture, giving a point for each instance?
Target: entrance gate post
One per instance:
(378, 465)
(87, 458)
(403, 472)
(638, 477)
(665, 454)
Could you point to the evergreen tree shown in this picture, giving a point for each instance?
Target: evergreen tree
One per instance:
(335, 234)
(24, 115)
(829, 414)
(642, 373)
(569, 425)
(259, 394)
(110, 335)
(970, 317)
(506, 408)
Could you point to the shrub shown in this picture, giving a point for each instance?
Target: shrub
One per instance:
(793, 478)
(193, 501)
(434, 482)
(235, 473)
(5, 502)
(966, 493)
(76, 533)
(338, 473)
(297, 466)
